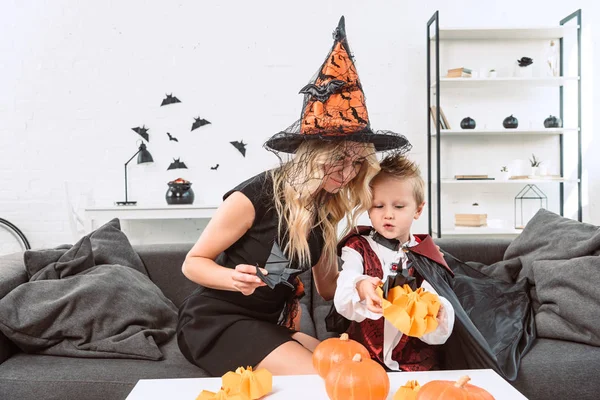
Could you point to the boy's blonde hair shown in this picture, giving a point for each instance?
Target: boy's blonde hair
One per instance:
(400, 167)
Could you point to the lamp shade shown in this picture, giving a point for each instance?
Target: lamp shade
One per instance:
(144, 156)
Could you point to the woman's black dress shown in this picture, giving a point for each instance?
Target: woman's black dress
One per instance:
(221, 330)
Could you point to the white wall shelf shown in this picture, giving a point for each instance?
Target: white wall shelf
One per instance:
(483, 230)
(517, 33)
(502, 131)
(557, 81)
(498, 181)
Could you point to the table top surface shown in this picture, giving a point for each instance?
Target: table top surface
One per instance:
(313, 387)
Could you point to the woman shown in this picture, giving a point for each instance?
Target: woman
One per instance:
(238, 316)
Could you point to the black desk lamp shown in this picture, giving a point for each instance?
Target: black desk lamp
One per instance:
(144, 156)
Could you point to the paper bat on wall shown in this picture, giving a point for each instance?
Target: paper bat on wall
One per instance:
(176, 164)
(172, 137)
(170, 99)
(143, 132)
(215, 167)
(241, 146)
(198, 122)
(277, 267)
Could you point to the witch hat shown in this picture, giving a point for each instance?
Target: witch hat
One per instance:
(334, 106)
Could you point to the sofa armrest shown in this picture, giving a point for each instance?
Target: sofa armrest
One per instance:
(12, 274)
(485, 251)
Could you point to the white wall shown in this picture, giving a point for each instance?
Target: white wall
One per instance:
(76, 78)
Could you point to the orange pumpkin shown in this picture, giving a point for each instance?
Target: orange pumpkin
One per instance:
(357, 379)
(448, 390)
(408, 391)
(335, 350)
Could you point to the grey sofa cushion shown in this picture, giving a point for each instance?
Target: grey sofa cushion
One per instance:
(556, 369)
(26, 376)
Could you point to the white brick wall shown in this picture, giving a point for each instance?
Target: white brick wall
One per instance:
(75, 78)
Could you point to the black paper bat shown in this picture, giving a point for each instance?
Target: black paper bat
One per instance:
(170, 100)
(277, 267)
(322, 92)
(241, 146)
(198, 122)
(176, 164)
(143, 132)
(215, 167)
(172, 137)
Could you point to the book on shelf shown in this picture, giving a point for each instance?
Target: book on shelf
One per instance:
(473, 178)
(459, 73)
(471, 220)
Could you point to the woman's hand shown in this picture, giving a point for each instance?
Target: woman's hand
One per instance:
(366, 291)
(245, 279)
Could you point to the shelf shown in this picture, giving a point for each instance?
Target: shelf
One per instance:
(484, 230)
(502, 131)
(498, 181)
(502, 82)
(551, 32)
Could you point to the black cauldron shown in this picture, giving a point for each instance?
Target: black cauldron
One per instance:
(468, 123)
(510, 122)
(552, 122)
(180, 192)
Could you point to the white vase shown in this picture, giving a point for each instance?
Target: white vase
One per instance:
(504, 175)
(523, 72)
(535, 171)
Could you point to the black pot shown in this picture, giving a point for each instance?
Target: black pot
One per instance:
(510, 122)
(180, 193)
(552, 122)
(467, 123)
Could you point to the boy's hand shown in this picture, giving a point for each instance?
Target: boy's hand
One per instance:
(366, 291)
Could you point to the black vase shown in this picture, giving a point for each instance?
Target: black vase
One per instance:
(468, 123)
(552, 122)
(180, 193)
(510, 122)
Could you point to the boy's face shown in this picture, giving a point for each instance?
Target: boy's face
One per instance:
(394, 207)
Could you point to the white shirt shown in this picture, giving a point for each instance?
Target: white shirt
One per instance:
(348, 304)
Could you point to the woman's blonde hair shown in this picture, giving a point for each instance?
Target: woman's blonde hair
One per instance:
(297, 187)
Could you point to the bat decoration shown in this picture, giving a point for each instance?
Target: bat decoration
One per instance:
(322, 92)
(357, 117)
(333, 61)
(215, 167)
(143, 132)
(324, 77)
(170, 99)
(176, 164)
(277, 266)
(198, 122)
(241, 146)
(172, 137)
(399, 279)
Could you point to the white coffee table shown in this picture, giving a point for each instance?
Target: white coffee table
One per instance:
(313, 387)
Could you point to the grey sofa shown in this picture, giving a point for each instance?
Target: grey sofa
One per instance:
(552, 368)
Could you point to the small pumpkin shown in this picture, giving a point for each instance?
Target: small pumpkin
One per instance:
(408, 391)
(335, 350)
(552, 122)
(357, 379)
(449, 390)
(510, 122)
(468, 123)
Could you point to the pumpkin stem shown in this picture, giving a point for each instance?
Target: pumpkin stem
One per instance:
(344, 337)
(357, 357)
(462, 381)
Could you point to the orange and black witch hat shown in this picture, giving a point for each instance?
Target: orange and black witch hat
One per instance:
(334, 106)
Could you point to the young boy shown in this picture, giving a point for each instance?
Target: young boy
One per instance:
(371, 255)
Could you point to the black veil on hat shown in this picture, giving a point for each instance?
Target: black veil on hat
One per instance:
(334, 107)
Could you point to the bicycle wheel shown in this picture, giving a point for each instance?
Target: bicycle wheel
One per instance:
(18, 242)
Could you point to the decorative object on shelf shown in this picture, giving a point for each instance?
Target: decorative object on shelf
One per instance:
(493, 73)
(523, 68)
(473, 216)
(177, 164)
(171, 137)
(525, 208)
(215, 167)
(552, 122)
(535, 165)
(504, 174)
(144, 156)
(241, 146)
(170, 99)
(143, 132)
(510, 122)
(198, 122)
(459, 73)
(552, 60)
(468, 123)
(179, 192)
